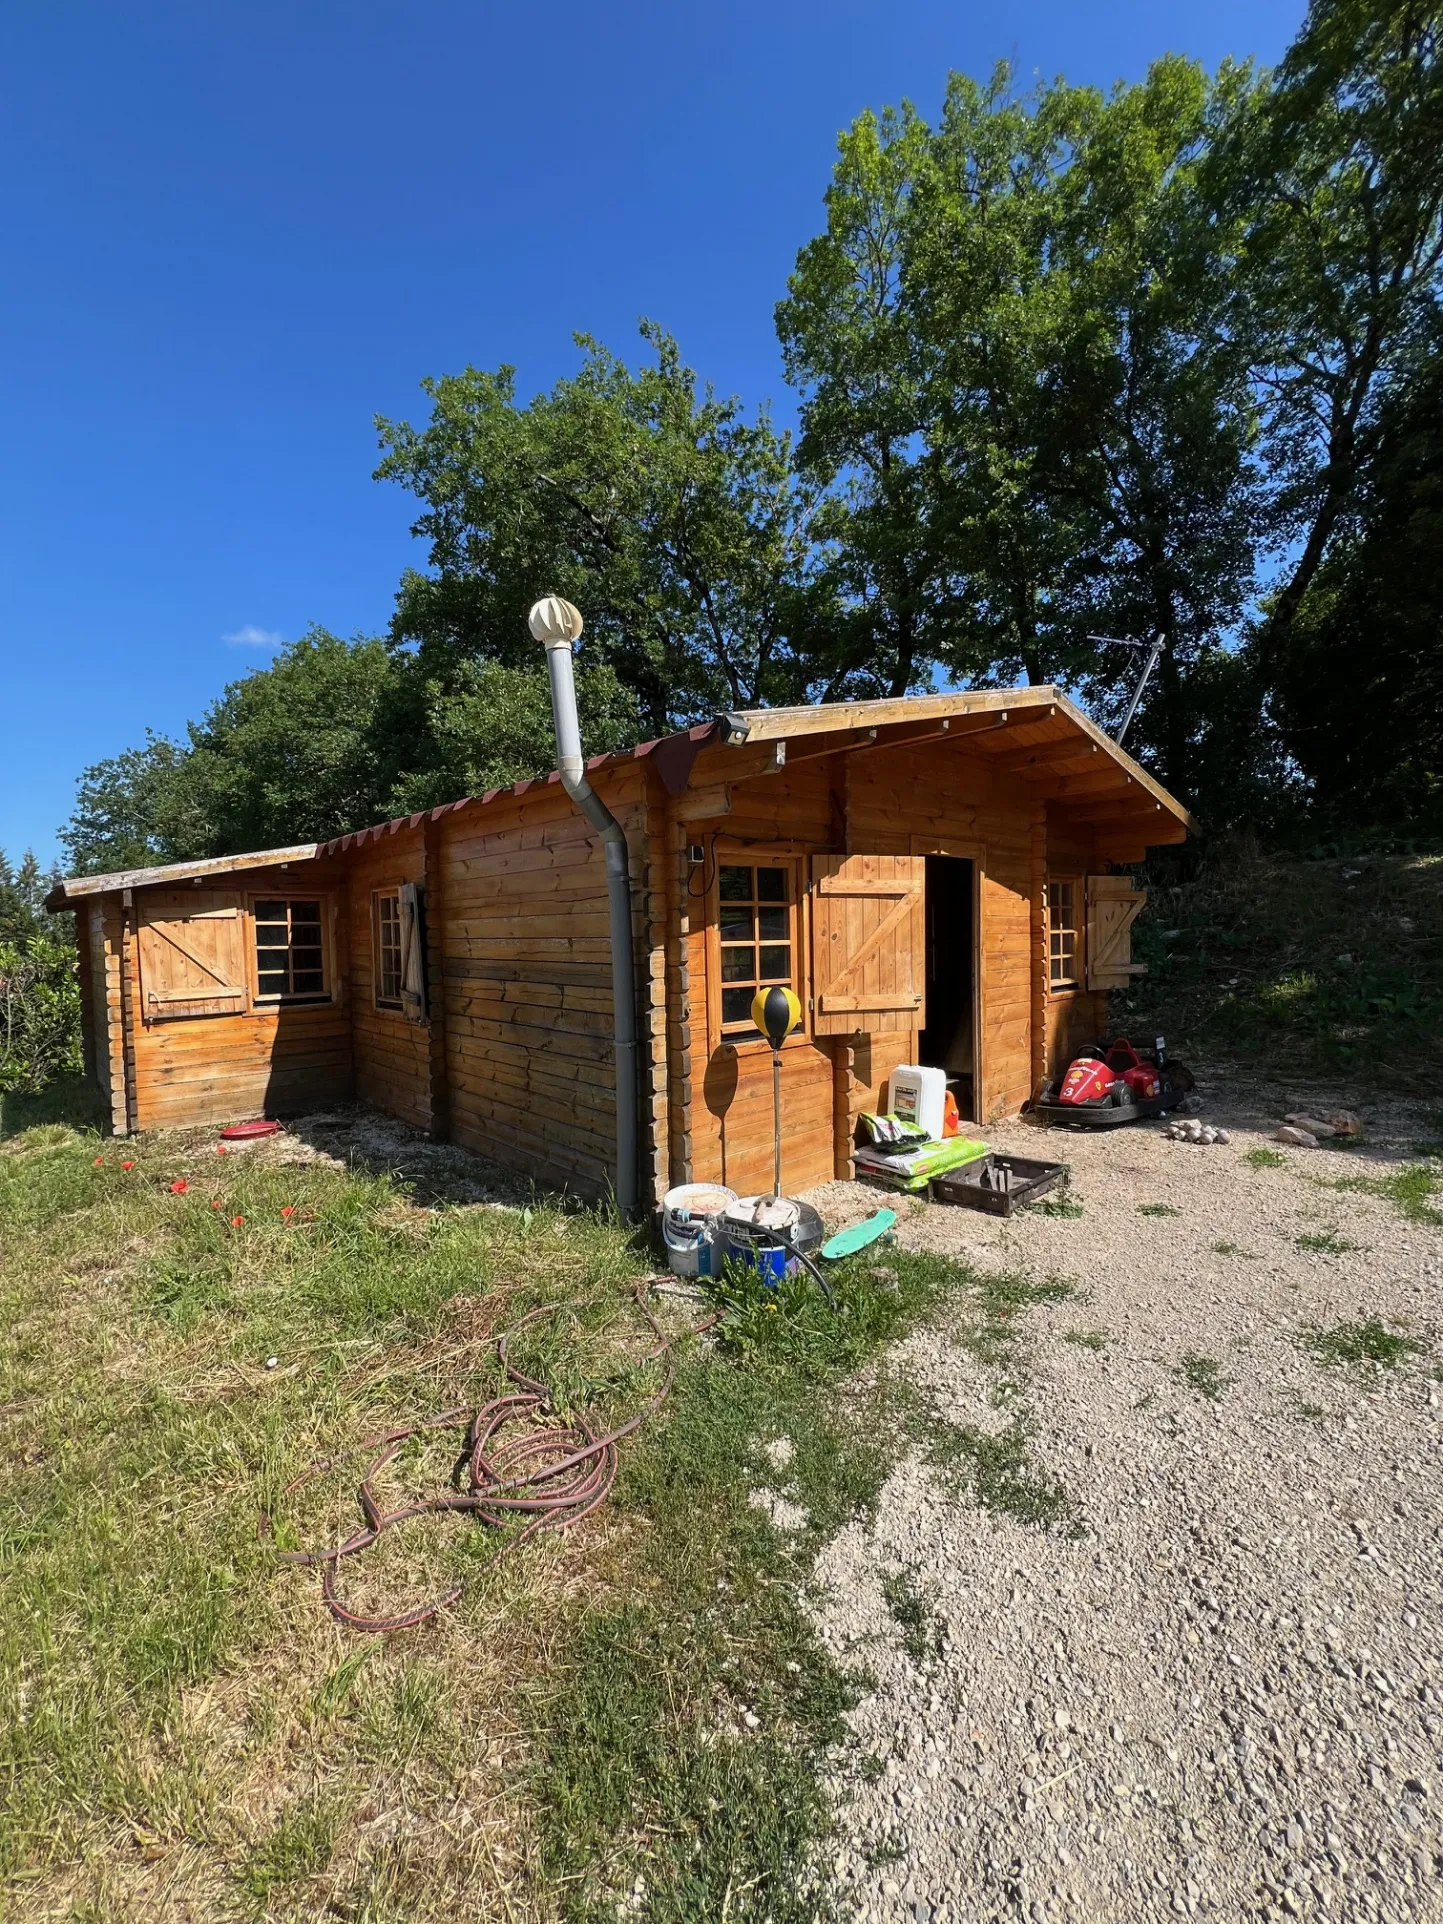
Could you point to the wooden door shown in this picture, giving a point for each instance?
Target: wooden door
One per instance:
(1113, 905)
(869, 943)
(192, 953)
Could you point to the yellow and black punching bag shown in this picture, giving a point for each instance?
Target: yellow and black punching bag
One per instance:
(776, 1012)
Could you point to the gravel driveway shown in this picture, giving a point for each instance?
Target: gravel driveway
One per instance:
(1216, 1687)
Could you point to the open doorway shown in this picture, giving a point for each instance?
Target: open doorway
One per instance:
(948, 1041)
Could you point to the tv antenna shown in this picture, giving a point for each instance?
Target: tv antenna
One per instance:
(1154, 649)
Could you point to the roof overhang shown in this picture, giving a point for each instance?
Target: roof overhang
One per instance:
(1034, 735)
(77, 887)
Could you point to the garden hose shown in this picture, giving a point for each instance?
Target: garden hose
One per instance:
(524, 1460)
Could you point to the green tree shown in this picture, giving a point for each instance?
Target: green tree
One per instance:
(1337, 177)
(1160, 453)
(121, 810)
(1358, 674)
(851, 345)
(677, 525)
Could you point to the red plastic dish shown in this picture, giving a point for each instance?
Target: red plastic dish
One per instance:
(244, 1131)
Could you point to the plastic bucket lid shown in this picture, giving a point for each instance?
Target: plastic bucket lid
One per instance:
(706, 1199)
(243, 1131)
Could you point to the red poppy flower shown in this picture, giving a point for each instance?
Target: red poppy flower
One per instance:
(288, 1212)
(215, 1202)
(98, 1161)
(236, 1221)
(221, 1150)
(127, 1165)
(179, 1187)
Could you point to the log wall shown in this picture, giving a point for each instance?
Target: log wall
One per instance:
(392, 1055)
(527, 978)
(265, 1061)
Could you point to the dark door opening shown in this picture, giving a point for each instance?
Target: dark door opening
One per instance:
(947, 1041)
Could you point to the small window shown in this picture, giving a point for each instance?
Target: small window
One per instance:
(1062, 937)
(755, 932)
(388, 951)
(290, 950)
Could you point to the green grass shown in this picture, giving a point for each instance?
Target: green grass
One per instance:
(1265, 1158)
(644, 1696)
(923, 1636)
(1359, 1345)
(1093, 1339)
(1157, 1209)
(1299, 965)
(1233, 1249)
(1063, 1205)
(1324, 1242)
(1203, 1375)
(1412, 1190)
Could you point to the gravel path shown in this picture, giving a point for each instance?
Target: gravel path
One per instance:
(1218, 1691)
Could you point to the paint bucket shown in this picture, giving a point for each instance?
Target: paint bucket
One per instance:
(747, 1223)
(691, 1227)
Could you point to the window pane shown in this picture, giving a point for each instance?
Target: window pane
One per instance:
(307, 982)
(736, 924)
(270, 911)
(306, 912)
(735, 885)
(272, 984)
(736, 1005)
(777, 963)
(771, 885)
(739, 965)
(774, 925)
(271, 958)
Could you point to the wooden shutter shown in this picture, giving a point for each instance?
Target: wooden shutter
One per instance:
(413, 959)
(869, 943)
(1112, 908)
(192, 954)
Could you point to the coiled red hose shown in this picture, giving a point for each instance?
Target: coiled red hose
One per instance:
(524, 1460)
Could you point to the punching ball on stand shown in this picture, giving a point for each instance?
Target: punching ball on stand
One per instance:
(776, 1012)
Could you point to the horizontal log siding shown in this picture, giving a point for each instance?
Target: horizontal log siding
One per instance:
(275, 1061)
(392, 1055)
(530, 1059)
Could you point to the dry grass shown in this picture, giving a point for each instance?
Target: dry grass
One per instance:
(190, 1734)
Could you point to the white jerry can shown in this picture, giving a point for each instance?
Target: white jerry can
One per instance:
(919, 1095)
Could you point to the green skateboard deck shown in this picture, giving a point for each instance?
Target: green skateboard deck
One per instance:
(847, 1242)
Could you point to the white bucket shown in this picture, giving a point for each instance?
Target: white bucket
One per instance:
(692, 1229)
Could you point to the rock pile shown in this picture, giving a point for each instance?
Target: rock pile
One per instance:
(1191, 1130)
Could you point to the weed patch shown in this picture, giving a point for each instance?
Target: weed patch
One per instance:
(1093, 1339)
(1359, 1345)
(1203, 1375)
(1261, 1158)
(1324, 1242)
(1157, 1209)
(1412, 1190)
(923, 1635)
(1233, 1249)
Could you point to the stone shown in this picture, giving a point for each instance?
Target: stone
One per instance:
(1295, 1138)
(1314, 1125)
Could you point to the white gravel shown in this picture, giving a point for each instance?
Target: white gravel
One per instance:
(1224, 1697)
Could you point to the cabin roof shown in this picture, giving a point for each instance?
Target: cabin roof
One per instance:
(1036, 734)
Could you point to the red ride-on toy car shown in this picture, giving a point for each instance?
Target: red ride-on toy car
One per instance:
(1111, 1084)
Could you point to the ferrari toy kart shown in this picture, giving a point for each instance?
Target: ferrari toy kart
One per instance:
(1111, 1084)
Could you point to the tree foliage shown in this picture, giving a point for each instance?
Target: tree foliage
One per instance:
(1157, 363)
(39, 992)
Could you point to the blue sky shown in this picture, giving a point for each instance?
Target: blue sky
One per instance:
(233, 234)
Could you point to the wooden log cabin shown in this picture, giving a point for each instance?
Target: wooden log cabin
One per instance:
(937, 877)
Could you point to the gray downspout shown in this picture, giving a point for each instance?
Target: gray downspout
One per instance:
(618, 889)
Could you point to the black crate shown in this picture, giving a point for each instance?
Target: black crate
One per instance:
(969, 1186)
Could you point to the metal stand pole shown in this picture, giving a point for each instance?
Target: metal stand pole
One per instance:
(777, 1119)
